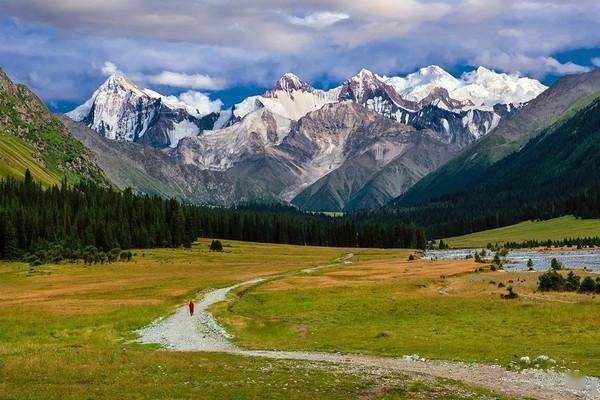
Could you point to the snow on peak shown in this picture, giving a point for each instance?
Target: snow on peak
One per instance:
(291, 98)
(290, 82)
(420, 84)
(364, 75)
(486, 87)
(483, 87)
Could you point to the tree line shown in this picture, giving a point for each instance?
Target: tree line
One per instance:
(591, 241)
(92, 215)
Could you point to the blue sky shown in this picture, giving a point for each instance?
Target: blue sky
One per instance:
(225, 49)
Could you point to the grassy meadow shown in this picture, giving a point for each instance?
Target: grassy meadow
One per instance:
(65, 332)
(437, 309)
(554, 229)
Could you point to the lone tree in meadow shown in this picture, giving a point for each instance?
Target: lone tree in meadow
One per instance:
(216, 245)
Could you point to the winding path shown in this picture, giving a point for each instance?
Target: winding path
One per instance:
(201, 332)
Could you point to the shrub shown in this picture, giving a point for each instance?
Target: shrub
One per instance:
(411, 257)
(587, 285)
(497, 261)
(216, 245)
(530, 265)
(555, 264)
(572, 282)
(35, 262)
(551, 280)
(126, 256)
(510, 293)
(114, 254)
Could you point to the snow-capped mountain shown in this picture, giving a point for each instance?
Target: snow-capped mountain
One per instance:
(359, 150)
(356, 145)
(481, 87)
(290, 97)
(459, 110)
(120, 110)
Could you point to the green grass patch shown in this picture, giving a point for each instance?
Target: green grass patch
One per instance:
(554, 229)
(16, 156)
(392, 318)
(65, 331)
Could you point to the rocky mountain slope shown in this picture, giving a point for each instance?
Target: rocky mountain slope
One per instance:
(470, 165)
(121, 110)
(152, 171)
(361, 143)
(32, 138)
(342, 142)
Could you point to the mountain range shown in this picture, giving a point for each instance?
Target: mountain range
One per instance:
(541, 160)
(354, 146)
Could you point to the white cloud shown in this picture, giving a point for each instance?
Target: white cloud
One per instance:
(567, 68)
(251, 43)
(199, 103)
(109, 69)
(183, 80)
(168, 78)
(536, 66)
(318, 20)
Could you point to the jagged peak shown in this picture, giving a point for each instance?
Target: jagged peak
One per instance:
(5, 82)
(118, 79)
(364, 74)
(483, 70)
(433, 70)
(290, 82)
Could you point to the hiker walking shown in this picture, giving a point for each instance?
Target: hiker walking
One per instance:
(191, 306)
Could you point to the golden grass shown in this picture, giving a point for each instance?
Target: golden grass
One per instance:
(65, 330)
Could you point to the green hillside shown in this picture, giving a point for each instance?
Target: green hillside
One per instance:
(555, 173)
(556, 104)
(553, 229)
(32, 138)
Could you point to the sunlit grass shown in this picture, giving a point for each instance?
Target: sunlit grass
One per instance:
(398, 308)
(65, 332)
(554, 229)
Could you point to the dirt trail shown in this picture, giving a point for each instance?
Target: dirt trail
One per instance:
(201, 332)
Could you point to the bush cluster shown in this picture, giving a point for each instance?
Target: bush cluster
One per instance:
(45, 252)
(552, 280)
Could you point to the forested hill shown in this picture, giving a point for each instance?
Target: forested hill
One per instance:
(32, 138)
(468, 168)
(554, 174)
(88, 214)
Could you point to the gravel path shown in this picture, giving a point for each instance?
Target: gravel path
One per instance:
(201, 332)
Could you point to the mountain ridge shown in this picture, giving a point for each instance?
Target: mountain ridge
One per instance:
(32, 138)
(514, 132)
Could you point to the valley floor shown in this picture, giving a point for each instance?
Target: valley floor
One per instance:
(71, 328)
(66, 332)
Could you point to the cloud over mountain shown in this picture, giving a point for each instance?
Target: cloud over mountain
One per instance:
(207, 45)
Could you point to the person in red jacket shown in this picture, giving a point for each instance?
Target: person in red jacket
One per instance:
(191, 306)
